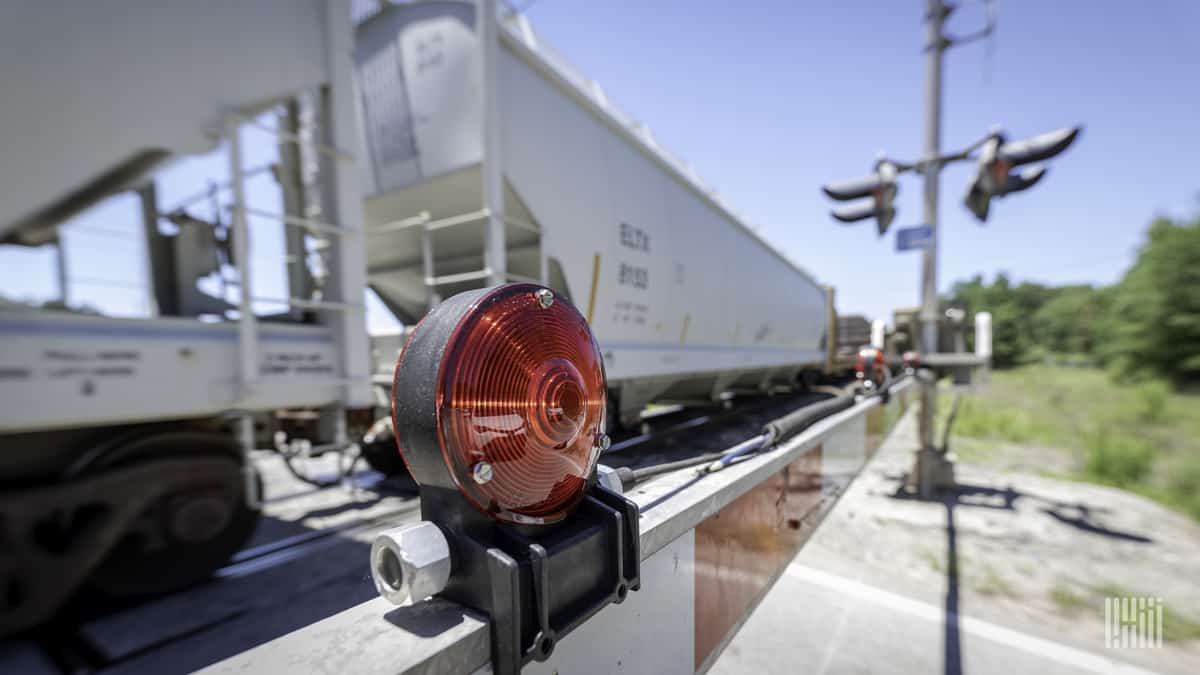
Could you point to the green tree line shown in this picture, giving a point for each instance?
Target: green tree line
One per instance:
(1146, 325)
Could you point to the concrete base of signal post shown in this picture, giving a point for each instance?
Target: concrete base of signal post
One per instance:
(933, 471)
(933, 467)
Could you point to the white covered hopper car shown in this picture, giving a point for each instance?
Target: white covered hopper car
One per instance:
(496, 142)
(127, 441)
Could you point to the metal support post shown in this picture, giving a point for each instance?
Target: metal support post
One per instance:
(292, 159)
(343, 205)
(935, 44)
(427, 266)
(491, 167)
(64, 281)
(932, 469)
(247, 328)
(983, 344)
(247, 324)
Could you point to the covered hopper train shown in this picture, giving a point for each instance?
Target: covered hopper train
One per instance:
(686, 300)
(421, 152)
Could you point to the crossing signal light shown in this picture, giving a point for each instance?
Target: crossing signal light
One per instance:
(994, 176)
(500, 395)
(870, 368)
(880, 187)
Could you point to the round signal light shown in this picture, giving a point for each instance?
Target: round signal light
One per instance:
(870, 365)
(500, 394)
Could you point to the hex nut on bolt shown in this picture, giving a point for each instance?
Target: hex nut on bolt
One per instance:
(410, 563)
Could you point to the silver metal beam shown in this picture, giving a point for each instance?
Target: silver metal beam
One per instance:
(297, 221)
(438, 636)
(450, 261)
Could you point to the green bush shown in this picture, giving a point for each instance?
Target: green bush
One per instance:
(1146, 325)
(1150, 401)
(1142, 437)
(1178, 627)
(976, 419)
(1184, 487)
(1118, 460)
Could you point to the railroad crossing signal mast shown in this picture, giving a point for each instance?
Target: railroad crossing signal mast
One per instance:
(996, 157)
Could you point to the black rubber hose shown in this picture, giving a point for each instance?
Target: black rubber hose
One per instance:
(630, 476)
(300, 476)
(776, 431)
(793, 423)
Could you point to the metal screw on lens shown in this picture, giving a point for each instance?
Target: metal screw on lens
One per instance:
(603, 442)
(545, 298)
(481, 472)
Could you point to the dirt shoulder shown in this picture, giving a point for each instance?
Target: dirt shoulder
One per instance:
(1023, 550)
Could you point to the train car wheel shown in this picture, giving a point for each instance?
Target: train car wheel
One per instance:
(184, 536)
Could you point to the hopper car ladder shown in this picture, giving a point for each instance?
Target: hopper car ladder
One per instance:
(248, 355)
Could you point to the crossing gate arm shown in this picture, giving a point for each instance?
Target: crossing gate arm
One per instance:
(711, 549)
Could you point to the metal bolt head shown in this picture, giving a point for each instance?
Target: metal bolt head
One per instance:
(410, 563)
(603, 441)
(607, 476)
(545, 298)
(481, 472)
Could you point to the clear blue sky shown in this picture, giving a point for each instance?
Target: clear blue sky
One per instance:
(769, 100)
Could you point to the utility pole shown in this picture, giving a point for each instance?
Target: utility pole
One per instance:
(996, 157)
(935, 44)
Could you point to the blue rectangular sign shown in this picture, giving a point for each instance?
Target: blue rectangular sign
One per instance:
(913, 238)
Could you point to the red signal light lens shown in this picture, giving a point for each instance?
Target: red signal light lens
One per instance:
(520, 404)
(870, 363)
(860, 363)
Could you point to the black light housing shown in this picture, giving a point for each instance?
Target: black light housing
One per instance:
(880, 186)
(998, 157)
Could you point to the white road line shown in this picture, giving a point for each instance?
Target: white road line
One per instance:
(977, 627)
(834, 645)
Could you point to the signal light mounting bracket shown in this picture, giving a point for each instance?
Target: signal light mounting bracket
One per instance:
(537, 584)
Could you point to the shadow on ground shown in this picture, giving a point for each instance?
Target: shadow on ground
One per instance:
(964, 495)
